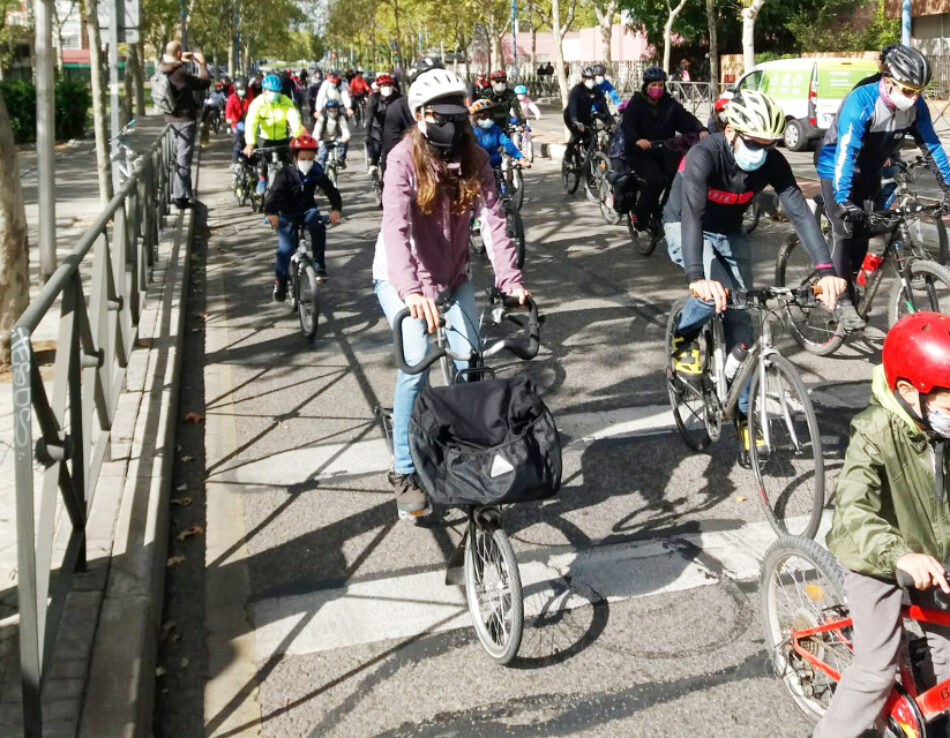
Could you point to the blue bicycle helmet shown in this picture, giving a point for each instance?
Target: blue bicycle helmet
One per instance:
(654, 74)
(521, 90)
(331, 103)
(272, 83)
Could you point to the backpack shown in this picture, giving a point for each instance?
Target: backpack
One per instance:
(163, 95)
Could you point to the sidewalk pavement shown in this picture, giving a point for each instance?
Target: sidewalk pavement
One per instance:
(149, 388)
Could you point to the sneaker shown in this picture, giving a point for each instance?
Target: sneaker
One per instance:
(183, 203)
(261, 187)
(745, 445)
(411, 501)
(848, 317)
(280, 290)
(321, 276)
(342, 164)
(686, 359)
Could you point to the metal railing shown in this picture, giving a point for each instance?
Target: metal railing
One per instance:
(97, 332)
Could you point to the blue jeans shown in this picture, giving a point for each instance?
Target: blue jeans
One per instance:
(287, 239)
(324, 151)
(728, 260)
(462, 334)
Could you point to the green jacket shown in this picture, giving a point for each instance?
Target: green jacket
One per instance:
(884, 495)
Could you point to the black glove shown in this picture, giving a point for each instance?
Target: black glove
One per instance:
(849, 214)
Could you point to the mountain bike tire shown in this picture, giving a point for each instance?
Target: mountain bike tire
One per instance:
(493, 591)
(570, 177)
(688, 402)
(308, 299)
(517, 187)
(790, 473)
(596, 170)
(516, 233)
(929, 290)
(801, 585)
(643, 241)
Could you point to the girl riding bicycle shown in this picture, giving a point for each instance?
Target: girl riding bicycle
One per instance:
(435, 176)
(891, 513)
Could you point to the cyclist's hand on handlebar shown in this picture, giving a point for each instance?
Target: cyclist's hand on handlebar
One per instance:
(709, 290)
(521, 293)
(925, 570)
(423, 308)
(828, 290)
(523, 163)
(580, 127)
(248, 151)
(644, 143)
(335, 217)
(273, 219)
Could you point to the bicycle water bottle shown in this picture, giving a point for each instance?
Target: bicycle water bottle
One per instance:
(738, 354)
(868, 267)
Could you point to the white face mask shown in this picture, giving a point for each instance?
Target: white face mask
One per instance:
(599, 80)
(486, 123)
(241, 93)
(901, 101)
(305, 165)
(499, 87)
(939, 422)
(272, 97)
(589, 84)
(385, 90)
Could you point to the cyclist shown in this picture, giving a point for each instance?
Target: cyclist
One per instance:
(891, 514)
(332, 86)
(436, 176)
(235, 111)
(585, 103)
(604, 84)
(273, 119)
(215, 101)
(490, 137)
(717, 121)
(331, 127)
(359, 89)
(703, 224)
(504, 101)
(527, 104)
(864, 134)
(399, 118)
(289, 203)
(652, 115)
(379, 103)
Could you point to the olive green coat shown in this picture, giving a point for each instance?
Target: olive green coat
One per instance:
(884, 496)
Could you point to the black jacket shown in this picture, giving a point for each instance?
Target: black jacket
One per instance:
(502, 106)
(184, 84)
(291, 192)
(398, 121)
(376, 114)
(582, 105)
(711, 192)
(656, 122)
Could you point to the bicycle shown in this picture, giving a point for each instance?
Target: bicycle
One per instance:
(809, 631)
(512, 179)
(490, 572)
(332, 166)
(577, 158)
(122, 154)
(521, 136)
(785, 450)
(303, 285)
(897, 191)
(268, 159)
(922, 284)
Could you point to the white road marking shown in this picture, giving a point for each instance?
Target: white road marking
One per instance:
(405, 606)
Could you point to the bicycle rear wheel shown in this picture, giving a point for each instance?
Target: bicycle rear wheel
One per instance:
(570, 177)
(606, 198)
(929, 290)
(493, 591)
(689, 401)
(516, 233)
(802, 586)
(308, 299)
(789, 466)
(750, 218)
(595, 171)
(643, 242)
(816, 328)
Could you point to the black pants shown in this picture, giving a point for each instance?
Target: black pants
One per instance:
(656, 169)
(238, 145)
(847, 252)
(373, 151)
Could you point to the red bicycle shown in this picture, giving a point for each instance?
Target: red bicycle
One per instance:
(808, 633)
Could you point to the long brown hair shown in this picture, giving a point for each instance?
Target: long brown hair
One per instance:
(433, 177)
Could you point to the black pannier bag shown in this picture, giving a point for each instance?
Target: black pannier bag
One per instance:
(485, 443)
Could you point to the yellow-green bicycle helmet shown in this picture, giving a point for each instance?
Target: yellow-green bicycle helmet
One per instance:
(756, 115)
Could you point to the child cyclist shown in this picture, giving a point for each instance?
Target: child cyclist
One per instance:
(490, 137)
(527, 104)
(289, 203)
(331, 128)
(891, 514)
(435, 176)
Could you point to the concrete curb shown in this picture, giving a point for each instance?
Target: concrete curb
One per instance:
(120, 692)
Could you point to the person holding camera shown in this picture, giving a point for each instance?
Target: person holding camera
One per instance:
(183, 118)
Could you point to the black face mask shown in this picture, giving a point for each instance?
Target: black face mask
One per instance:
(445, 136)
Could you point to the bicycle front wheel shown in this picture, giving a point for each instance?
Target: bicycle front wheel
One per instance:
(516, 233)
(596, 170)
(606, 198)
(570, 177)
(308, 299)
(929, 290)
(750, 218)
(802, 586)
(493, 591)
(688, 399)
(785, 449)
(815, 328)
(517, 188)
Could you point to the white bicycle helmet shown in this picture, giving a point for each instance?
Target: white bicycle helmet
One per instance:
(756, 115)
(435, 85)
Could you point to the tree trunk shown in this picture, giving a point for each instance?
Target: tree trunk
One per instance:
(139, 52)
(558, 31)
(14, 251)
(668, 32)
(712, 17)
(749, 14)
(99, 107)
(605, 19)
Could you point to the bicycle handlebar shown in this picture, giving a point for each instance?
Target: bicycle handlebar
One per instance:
(805, 296)
(522, 350)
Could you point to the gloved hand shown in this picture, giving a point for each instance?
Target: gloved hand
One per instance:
(849, 214)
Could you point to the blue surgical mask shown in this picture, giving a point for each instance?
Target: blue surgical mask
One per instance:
(486, 123)
(749, 160)
(272, 97)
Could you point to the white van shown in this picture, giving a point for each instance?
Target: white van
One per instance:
(810, 91)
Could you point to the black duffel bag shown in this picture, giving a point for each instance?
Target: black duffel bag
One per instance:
(485, 443)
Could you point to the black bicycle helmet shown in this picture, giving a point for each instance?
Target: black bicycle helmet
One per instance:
(240, 83)
(600, 70)
(906, 65)
(424, 64)
(588, 71)
(653, 74)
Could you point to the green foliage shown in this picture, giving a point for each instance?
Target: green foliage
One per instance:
(20, 99)
(73, 100)
(835, 25)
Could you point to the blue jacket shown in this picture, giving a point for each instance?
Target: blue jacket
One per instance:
(609, 91)
(490, 139)
(864, 133)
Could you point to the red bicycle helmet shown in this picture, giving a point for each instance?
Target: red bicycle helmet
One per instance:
(721, 103)
(917, 349)
(499, 76)
(305, 142)
(384, 79)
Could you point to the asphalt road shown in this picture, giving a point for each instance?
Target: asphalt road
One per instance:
(304, 608)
